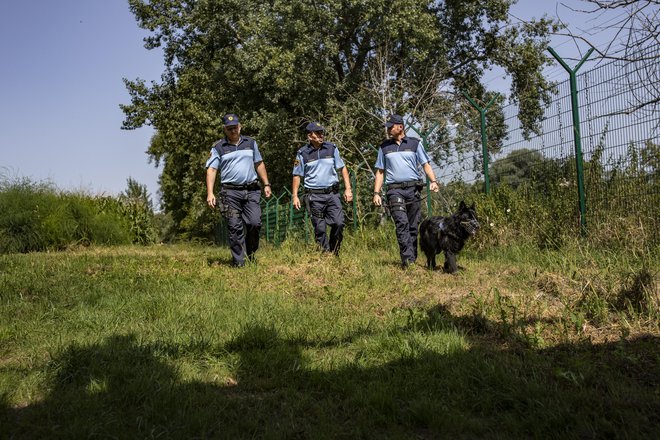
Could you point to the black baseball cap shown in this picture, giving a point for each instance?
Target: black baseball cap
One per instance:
(230, 119)
(314, 126)
(393, 119)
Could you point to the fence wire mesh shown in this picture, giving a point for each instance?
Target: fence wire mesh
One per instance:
(620, 135)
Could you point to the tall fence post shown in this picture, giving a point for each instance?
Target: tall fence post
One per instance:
(267, 220)
(425, 144)
(484, 137)
(290, 225)
(353, 180)
(577, 137)
(277, 222)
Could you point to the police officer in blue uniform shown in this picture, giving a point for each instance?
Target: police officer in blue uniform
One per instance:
(399, 158)
(318, 162)
(239, 161)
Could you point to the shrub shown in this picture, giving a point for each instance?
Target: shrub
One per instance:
(26, 216)
(34, 216)
(137, 208)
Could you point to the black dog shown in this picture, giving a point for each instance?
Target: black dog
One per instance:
(448, 235)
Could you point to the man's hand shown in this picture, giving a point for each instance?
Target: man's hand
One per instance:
(348, 195)
(267, 191)
(434, 186)
(210, 199)
(296, 202)
(377, 199)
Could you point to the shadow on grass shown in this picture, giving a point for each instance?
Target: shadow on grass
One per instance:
(476, 325)
(123, 388)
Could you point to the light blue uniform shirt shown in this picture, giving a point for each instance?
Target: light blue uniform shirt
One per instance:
(401, 162)
(235, 162)
(318, 166)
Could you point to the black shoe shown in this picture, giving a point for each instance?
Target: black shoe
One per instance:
(237, 264)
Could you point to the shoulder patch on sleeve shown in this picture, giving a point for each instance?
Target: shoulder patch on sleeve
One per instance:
(296, 163)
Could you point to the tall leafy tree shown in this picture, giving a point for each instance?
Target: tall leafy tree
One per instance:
(519, 167)
(279, 63)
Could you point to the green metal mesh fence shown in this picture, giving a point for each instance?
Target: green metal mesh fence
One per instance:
(620, 138)
(279, 218)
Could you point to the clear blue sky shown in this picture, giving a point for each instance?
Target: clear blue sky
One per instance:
(60, 88)
(61, 85)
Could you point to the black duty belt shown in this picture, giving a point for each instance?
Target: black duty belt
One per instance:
(328, 190)
(405, 184)
(249, 186)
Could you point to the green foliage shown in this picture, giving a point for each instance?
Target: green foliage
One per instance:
(34, 216)
(515, 168)
(137, 208)
(165, 227)
(27, 216)
(535, 199)
(94, 220)
(348, 63)
(511, 215)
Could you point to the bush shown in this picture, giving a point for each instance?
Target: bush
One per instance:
(26, 216)
(92, 223)
(34, 216)
(137, 209)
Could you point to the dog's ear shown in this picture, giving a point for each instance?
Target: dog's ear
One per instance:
(474, 206)
(462, 205)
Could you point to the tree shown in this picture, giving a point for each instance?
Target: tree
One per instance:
(530, 168)
(516, 168)
(280, 63)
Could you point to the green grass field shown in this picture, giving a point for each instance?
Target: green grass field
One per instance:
(171, 342)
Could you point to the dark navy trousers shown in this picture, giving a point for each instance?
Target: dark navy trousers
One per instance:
(405, 208)
(326, 210)
(243, 214)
